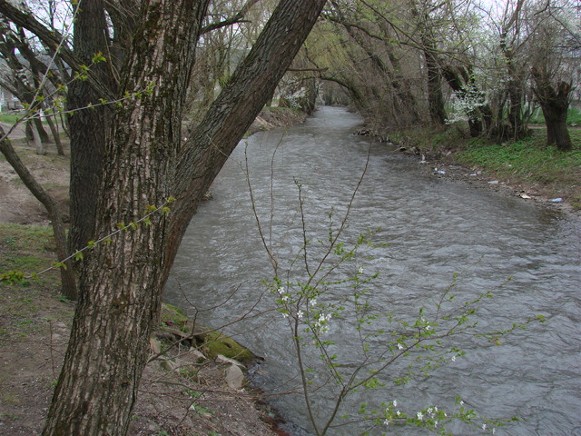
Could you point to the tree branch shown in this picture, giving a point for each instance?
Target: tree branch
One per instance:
(52, 39)
(232, 20)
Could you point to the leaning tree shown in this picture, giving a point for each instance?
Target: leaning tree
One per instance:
(133, 60)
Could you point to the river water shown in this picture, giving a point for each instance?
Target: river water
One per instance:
(429, 233)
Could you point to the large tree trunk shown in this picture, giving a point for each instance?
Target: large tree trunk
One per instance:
(554, 103)
(121, 282)
(89, 128)
(435, 96)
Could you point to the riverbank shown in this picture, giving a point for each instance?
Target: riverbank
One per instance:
(194, 383)
(527, 169)
(187, 388)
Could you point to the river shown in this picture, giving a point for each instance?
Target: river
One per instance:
(429, 233)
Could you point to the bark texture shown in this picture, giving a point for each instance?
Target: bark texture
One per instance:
(89, 129)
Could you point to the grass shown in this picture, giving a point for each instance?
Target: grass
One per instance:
(26, 248)
(25, 304)
(528, 157)
(530, 161)
(9, 118)
(573, 117)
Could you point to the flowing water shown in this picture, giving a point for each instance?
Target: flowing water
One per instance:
(431, 230)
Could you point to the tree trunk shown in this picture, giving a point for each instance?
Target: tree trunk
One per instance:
(558, 132)
(435, 96)
(515, 118)
(55, 134)
(121, 282)
(89, 128)
(554, 103)
(44, 137)
(37, 138)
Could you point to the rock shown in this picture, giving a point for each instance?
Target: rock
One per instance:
(155, 346)
(167, 365)
(234, 377)
(223, 359)
(197, 355)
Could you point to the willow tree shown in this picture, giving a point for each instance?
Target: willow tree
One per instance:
(139, 54)
(552, 46)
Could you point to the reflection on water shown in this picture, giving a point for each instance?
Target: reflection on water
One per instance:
(434, 228)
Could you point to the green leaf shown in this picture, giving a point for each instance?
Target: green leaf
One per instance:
(12, 277)
(59, 265)
(98, 57)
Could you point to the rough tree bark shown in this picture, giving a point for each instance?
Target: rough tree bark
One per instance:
(554, 103)
(89, 129)
(144, 163)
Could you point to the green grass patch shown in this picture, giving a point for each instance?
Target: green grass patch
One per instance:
(529, 158)
(573, 117)
(9, 118)
(27, 305)
(531, 162)
(25, 247)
